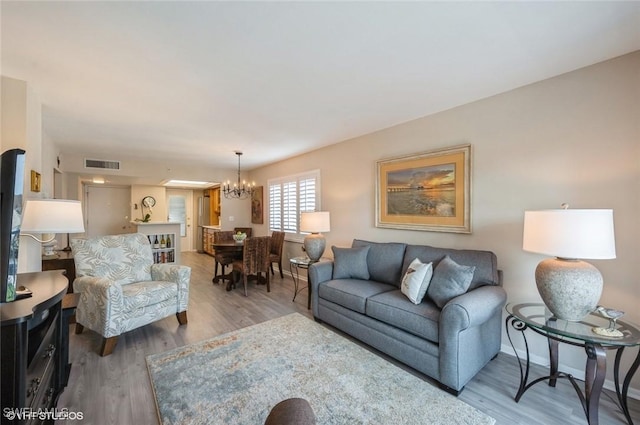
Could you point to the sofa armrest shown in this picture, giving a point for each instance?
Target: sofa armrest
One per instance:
(318, 272)
(177, 274)
(100, 305)
(472, 308)
(469, 334)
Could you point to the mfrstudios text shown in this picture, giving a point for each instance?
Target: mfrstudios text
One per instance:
(26, 413)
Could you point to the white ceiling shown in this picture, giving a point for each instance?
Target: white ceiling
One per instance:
(199, 80)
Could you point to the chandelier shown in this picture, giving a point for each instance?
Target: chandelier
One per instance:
(239, 190)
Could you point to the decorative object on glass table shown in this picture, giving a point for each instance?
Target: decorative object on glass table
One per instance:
(315, 223)
(612, 315)
(570, 288)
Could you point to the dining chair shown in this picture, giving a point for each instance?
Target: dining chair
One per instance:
(247, 230)
(255, 260)
(275, 252)
(222, 258)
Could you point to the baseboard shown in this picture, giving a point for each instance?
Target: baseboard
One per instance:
(577, 373)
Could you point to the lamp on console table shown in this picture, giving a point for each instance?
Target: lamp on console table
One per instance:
(570, 288)
(315, 223)
(51, 216)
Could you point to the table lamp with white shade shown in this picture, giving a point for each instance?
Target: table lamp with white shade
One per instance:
(569, 287)
(315, 223)
(51, 216)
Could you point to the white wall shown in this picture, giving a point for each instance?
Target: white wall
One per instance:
(574, 138)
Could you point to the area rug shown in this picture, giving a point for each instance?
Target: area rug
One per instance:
(238, 377)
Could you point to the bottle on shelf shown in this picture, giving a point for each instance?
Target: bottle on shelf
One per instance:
(163, 242)
(156, 244)
(169, 241)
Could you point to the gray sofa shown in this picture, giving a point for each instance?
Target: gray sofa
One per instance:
(449, 344)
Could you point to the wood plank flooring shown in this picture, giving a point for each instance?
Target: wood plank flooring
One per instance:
(116, 389)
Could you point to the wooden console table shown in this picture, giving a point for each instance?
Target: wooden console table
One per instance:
(33, 347)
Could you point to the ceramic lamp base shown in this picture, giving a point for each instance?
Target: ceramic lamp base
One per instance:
(570, 289)
(314, 245)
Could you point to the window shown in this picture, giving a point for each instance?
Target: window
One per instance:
(288, 197)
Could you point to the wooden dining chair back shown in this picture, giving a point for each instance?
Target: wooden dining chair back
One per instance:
(222, 258)
(255, 260)
(275, 253)
(247, 230)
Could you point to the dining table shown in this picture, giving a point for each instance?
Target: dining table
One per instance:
(234, 249)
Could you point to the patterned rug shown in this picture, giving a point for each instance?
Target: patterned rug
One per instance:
(238, 377)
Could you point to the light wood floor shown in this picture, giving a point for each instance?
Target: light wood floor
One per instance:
(116, 389)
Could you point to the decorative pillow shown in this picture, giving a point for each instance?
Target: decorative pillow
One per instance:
(350, 263)
(416, 280)
(450, 279)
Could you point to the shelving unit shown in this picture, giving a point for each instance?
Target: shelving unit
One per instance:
(167, 231)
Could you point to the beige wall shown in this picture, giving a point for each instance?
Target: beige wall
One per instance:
(574, 138)
(22, 128)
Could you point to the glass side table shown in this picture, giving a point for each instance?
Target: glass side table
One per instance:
(540, 320)
(296, 264)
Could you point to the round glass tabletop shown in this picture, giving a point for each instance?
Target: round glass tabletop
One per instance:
(536, 315)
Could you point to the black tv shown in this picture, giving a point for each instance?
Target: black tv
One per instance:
(11, 191)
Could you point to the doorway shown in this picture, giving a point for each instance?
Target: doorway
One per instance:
(180, 206)
(107, 210)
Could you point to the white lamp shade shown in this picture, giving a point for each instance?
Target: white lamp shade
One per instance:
(566, 233)
(315, 222)
(52, 216)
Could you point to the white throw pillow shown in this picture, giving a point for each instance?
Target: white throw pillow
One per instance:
(416, 280)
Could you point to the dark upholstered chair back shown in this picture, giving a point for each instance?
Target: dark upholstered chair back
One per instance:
(277, 243)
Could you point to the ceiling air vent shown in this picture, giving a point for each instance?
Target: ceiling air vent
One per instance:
(101, 164)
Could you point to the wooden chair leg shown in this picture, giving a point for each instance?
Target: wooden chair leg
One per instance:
(280, 268)
(271, 266)
(244, 278)
(79, 328)
(268, 284)
(108, 344)
(182, 317)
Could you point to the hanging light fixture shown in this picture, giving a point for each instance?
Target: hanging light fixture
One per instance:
(239, 190)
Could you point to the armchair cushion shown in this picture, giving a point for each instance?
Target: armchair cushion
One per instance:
(122, 260)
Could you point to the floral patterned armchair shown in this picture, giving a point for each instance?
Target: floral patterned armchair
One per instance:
(121, 289)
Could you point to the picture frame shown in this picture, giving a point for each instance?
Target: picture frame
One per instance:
(428, 191)
(36, 181)
(257, 205)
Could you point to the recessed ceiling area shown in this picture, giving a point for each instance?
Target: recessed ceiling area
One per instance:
(196, 81)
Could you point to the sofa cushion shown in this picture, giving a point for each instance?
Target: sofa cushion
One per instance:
(394, 309)
(450, 279)
(350, 263)
(416, 280)
(351, 293)
(142, 294)
(384, 260)
(486, 263)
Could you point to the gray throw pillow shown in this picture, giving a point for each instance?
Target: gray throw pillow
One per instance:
(450, 279)
(350, 263)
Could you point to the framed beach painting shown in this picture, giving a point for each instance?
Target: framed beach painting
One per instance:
(428, 191)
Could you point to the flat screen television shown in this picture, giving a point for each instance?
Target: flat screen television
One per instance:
(11, 191)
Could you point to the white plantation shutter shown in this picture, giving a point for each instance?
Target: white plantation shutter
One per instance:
(289, 207)
(288, 197)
